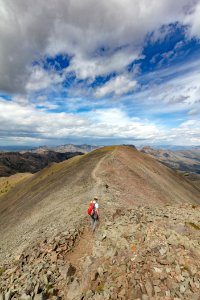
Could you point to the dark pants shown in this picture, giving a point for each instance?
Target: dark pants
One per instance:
(94, 221)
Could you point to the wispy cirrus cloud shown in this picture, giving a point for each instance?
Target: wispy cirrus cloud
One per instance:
(173, 87)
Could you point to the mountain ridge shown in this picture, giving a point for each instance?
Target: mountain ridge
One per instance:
(146, 246)
(132, 178)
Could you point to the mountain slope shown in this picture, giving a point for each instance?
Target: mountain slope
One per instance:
(7, 183)
(15, 162)
(140, 179)
(56, 198)
(182, 160)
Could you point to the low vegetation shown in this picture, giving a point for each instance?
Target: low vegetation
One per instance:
(7, 183)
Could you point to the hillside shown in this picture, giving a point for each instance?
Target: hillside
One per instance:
(193, 178)
(47, 213)
(8, 183)
(182, 160)
(15, 162)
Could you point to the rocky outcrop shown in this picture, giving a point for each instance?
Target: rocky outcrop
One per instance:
(42, 271)
(138, 253)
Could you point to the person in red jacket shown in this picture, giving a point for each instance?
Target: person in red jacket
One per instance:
(93, 211)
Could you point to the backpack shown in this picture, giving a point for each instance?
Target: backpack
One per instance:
(91, 209)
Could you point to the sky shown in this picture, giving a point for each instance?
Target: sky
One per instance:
(99, 72)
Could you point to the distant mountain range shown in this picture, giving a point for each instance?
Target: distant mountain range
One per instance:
(169, 147)
(34, 159)
(66, 148)
(187, 160)
(84, 148)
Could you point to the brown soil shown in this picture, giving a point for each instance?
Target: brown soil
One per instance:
(82, 248)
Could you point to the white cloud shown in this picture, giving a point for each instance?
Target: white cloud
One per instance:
(18, 121)
(30, 30)
(172, 89)
(40, 79)
(188, 133)
(23, 124)
(43, 103)
(101, 65)
(118, 86)
(27, 121)
(193, 20)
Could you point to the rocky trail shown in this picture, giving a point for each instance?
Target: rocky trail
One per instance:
(141, 253)
(81, 248)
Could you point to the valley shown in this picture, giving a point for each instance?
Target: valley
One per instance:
(16, 162)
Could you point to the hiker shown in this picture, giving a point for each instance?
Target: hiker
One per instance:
(93, 211)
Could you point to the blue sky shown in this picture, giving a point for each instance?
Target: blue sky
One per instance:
(92, 72)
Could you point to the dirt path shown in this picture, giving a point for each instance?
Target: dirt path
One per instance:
(95, 170)
(98, 188)
(83, 248)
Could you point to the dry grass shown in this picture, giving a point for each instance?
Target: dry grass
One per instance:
(195, 226)
(7, 183)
